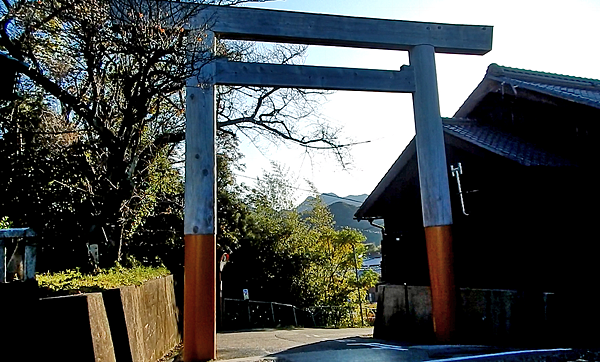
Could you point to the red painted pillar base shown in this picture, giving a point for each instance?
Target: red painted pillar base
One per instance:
(199, 301)
(441, 274)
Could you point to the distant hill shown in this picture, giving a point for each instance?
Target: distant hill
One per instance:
(343, 209)
(331, 198)
(355, 200)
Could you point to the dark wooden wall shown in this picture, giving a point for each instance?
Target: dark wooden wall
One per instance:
(527, 228)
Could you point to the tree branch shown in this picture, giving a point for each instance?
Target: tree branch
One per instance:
(76, 104)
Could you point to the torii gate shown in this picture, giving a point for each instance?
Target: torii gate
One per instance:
(420, 39)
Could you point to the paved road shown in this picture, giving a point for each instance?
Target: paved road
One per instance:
(350, 345)
(269, 342)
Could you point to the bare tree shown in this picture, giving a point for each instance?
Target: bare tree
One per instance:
(278, 114)
(112, 74)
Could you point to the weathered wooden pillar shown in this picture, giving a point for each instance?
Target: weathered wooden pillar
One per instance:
(199, 312)
(435, 192)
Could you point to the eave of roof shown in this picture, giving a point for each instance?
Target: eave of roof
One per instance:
(579, 90)
(543, 77)
(386, 181)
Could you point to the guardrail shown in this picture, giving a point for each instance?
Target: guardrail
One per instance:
(239, 314)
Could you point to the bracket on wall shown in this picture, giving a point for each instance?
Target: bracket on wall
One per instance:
(456, 172)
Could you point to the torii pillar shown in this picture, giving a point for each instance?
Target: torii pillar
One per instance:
(199, 301)
(435, 192)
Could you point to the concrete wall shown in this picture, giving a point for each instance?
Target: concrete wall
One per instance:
(129, 324)
(395, 321)
(18, 305)
(497, 317)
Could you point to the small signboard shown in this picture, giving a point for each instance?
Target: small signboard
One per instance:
(246, 297)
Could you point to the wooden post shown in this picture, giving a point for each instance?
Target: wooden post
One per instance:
(249, 313)
(273, 315)
(435, 192)
(199, 314)
(295, 318)
(219, 286)
(362, 319)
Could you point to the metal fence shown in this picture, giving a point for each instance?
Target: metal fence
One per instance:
(239, 314)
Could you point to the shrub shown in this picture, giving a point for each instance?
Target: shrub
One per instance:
(74, 282)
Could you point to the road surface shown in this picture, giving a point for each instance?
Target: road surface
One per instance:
(357, 344)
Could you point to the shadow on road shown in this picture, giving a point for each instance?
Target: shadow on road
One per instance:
(373, 350)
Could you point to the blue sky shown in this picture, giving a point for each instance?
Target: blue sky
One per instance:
(551, 36)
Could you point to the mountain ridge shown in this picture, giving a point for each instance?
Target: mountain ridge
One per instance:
(343, 209)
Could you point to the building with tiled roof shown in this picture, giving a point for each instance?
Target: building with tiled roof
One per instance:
(523, 215)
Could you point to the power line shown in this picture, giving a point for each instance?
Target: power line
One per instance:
(288, 186)
(345, 198)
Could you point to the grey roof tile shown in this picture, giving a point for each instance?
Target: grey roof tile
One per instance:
(576, 89)
(504, 144)
(584, 96)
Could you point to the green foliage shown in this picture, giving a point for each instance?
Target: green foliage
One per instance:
(154, 217)
(88, 132)
(373, 250)
(73, 281)
(42, 179)
(368, 279)
(5, 223)
(296, 258)
(273, 191)
(232, 212)
(162, 182)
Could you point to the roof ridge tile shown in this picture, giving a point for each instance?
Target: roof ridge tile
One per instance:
(551, 78)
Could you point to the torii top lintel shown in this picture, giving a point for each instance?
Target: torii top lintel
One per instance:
(344, 31)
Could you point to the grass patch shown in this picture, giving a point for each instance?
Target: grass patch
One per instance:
(70, 282)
